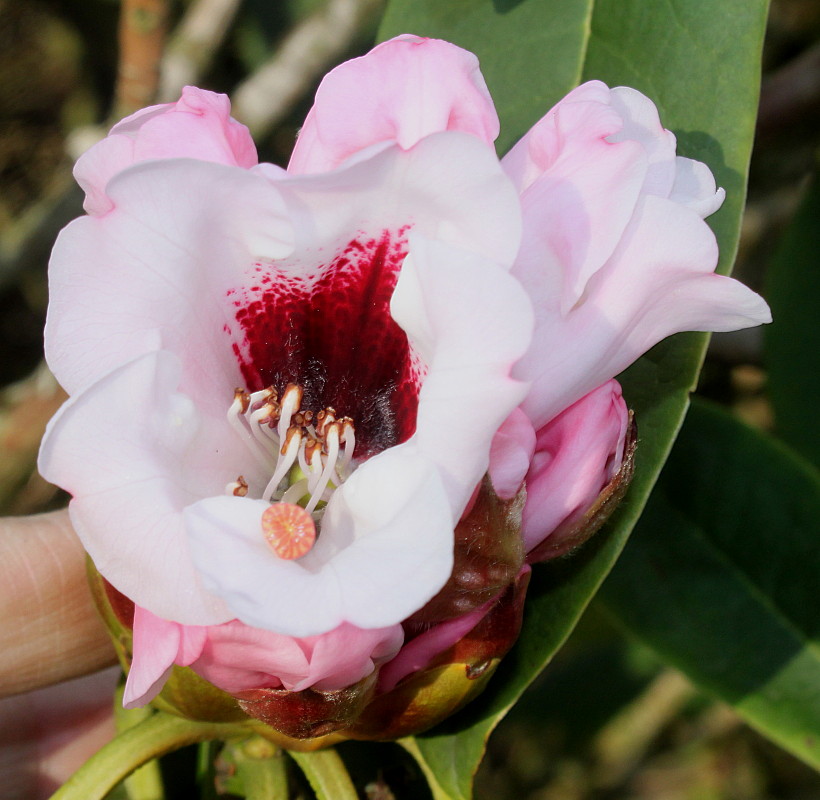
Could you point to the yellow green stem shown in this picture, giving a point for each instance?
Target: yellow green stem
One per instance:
(327, 774)
(159, 734)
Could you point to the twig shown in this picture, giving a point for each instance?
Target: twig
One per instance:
(143, 26)
(621, 744)
(268, 95)
(193, 45)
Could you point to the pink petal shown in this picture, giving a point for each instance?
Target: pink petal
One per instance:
(198, 126)
(511, 453)
(695, 187)
(576, 456)
(581, 193)
(421, 650)
(157, 646)
(237, 657)
(403, 90)
(615, 255)
(642, 124)
(347, 654)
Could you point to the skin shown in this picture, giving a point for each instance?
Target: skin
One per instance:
(51, 718)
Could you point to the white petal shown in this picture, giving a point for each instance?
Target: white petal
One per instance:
(695, 187)
(385, 547)
(155, 272)
(448, 187)
(470, 321)
(641, 123)
(134, 452)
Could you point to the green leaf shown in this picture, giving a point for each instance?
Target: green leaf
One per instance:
(793, 342)
(699, 61)
(720, 576)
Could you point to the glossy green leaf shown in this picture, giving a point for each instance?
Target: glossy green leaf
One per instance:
(793, 343)
(720, 576)
(699, 60)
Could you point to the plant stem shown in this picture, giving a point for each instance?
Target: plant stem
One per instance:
(261, 766)
(327, 774)
(143, 27)
(159, 734)
(144, 783)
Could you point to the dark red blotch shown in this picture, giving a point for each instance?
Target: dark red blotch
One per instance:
(335, 337)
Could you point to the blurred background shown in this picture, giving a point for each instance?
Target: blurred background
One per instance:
(605, 720)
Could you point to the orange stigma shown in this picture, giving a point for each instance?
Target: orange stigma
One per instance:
(289, 530)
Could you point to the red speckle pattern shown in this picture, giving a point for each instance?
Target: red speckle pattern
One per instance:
(327, 327)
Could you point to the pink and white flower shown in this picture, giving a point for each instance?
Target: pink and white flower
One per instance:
(439, 314)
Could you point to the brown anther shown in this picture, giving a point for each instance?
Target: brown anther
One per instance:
(347, 425)
(308, 415)
(293, 388)
(273, 412)
(240, 487)
(243, 397)
(331, 428)
(324, 418)
(293, 430)
(299, 418)
(270, 412)
(311, 446)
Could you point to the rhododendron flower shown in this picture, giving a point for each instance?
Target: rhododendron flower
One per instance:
(287, 386)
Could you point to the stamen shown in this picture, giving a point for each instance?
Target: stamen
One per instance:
(239, 488)
(281, 434)
(289, 530)
(291, 400)
(243, 398)
(349, 439)
(261, 397)
(260, 422)
(236, 419)
(288, 454)
(313, 454)
(332, 442)
(323, 419)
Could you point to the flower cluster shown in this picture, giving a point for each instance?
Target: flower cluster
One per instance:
(322, 419)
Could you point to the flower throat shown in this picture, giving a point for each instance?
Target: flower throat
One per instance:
(307, 453)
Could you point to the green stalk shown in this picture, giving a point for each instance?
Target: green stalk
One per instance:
(144, 783)
(159, 734)
(260, 765)
(327, 774)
